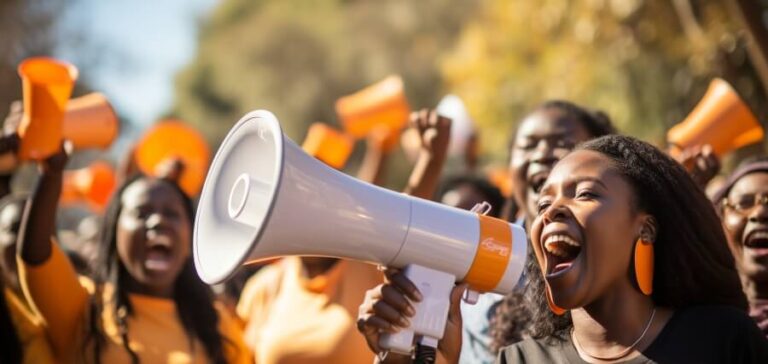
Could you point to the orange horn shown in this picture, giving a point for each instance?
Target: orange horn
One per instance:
(328, 145)
(47, 85)
(175, 139)
(382, 103)
(90, 122)
(721, 119)
(93, 184)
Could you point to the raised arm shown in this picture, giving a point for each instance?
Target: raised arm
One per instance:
(435, 133)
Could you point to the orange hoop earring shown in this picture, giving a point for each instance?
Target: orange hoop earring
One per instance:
(557, 310)
(644, 266)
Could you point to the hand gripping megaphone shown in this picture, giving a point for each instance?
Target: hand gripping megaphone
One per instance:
(264, 197)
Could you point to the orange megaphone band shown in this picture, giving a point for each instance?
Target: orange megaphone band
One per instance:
(93, 185)
(174, 139)
(47, 85)
(494, 250)
(328, 145)
(90, 122)
(382, 103)
(721, 119)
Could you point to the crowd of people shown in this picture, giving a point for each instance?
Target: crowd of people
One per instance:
(629, 261)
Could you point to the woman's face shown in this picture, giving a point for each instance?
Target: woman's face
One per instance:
(153, 234)
(585, 230)
(745, 217)
(543, 138)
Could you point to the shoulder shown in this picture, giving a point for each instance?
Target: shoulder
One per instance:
(715, 318)
(533, 351)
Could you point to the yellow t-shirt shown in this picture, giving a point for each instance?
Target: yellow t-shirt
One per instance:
(30, 330)
(155, 333)
(290, 319)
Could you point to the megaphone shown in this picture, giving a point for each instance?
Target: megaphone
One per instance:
(380, 104)
(328, 145)
(174, 139)
(264, 197)
(47, 84)
(93, 184)
(90, 122)
(720, 119)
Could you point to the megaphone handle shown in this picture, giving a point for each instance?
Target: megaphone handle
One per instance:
(428, 324)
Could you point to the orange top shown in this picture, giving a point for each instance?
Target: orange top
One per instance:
(290, 319)
(156, 335)
(30, 330)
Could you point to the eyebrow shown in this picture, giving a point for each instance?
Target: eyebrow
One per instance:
(577, 180)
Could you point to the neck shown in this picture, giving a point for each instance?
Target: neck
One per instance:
(754, 290)
(613, 322)
(145, 290)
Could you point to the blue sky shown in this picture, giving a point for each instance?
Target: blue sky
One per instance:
(133, 49)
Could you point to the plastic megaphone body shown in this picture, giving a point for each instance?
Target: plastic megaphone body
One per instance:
(47, 85)
(264, 198)
(721, 119)
(174, 139)
(90, 122)
(381, 104)
(328, 145)
(93, 185)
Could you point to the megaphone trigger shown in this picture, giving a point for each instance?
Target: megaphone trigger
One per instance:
(482, 208)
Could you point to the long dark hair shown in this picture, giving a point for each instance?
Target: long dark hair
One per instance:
(194, 299)
(693, 265)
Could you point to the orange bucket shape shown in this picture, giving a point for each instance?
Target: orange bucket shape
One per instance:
(90, 122)
(47, 85)
(93, 185)
(500, 178)
(175, 139)
(328, 145)
(721, 119)
(381, 104)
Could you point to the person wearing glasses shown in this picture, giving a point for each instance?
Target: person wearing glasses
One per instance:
(743, 206)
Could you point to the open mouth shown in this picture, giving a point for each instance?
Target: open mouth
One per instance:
(757, 239)
(159, 254)
(561, 251)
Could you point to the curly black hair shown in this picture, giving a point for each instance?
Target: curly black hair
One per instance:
(193, 298)
(693, 265)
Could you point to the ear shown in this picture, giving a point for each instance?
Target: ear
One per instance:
(648, 228)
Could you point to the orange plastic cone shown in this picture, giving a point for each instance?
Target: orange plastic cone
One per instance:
(382, 103)
(500, 178)
(328, 145)
(174, 139)
(721, 119)
(47, 85)
(90, 122)
(93, 184)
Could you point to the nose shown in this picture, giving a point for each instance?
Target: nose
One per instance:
(759, 214)
(156, 220)
(556, 212)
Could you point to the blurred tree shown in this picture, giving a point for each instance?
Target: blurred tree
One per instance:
(645, 62)
(296, 58)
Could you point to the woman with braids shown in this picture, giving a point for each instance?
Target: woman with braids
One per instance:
(743, 204)
(543, 137)
(147, 304)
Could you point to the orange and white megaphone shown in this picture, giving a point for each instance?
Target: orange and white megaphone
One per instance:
(381, 104)
(93, 185)
(328, 145)
(721, 119)
(47, 85)
(264, 198)
(90, 122)
(174, 139)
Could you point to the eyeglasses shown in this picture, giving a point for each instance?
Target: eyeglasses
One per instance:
(746, 203)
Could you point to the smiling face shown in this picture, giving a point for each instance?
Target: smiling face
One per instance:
(153, 234)
(745, 218)
(542, 139)
(585, 231)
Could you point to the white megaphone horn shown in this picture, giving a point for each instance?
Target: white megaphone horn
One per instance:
(264, 198)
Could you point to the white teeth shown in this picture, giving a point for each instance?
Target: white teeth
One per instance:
(759, 235)
(554, 244)
(561, 238)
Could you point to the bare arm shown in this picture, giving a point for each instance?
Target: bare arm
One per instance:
(435, 133)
